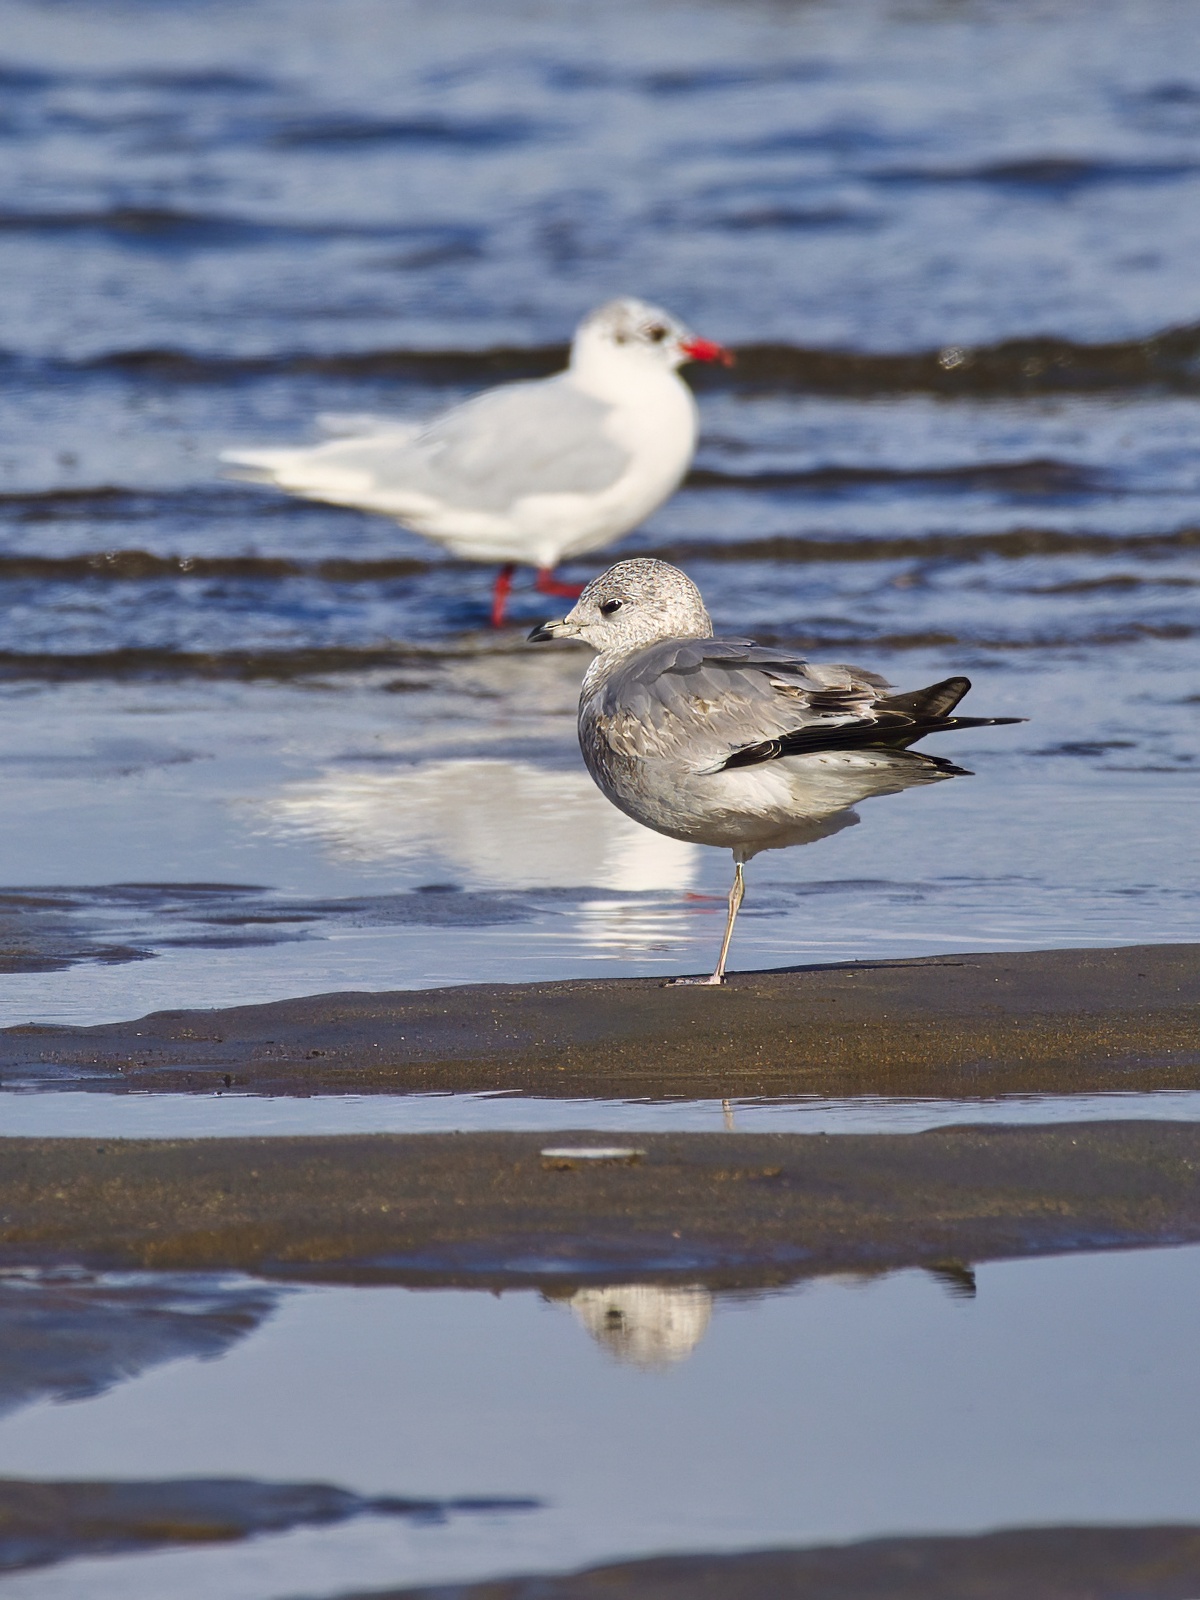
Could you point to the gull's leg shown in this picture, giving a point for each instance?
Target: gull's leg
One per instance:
(547, 583)
(500, 594)
(736, 895)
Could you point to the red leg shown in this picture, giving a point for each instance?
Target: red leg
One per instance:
(500, 593)
(547, 583)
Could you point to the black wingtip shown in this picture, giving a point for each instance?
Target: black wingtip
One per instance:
(956, 1277)
(957, 724)
(929, 704)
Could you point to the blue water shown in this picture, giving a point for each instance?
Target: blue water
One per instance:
(255, 748)
(644, 1418)
(957, 251)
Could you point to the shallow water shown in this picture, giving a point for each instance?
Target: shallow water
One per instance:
(647, 1419)
(952, 246)
(243, 869)
(255, 748)
(70, 1114)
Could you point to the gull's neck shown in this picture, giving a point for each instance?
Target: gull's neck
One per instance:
(605, 662)
(599, 669)
(613, 374)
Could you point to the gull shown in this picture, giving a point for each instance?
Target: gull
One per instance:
(648, 1325)
(728, 742)
(529, 473)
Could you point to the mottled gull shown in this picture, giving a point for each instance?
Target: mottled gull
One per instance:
(727, 742)
(530, 473)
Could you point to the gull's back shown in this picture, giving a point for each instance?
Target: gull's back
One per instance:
(665, 729)
(541, 437)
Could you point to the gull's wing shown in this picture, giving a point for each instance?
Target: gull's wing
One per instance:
(701, 701)
(542, 437)
(717, 703)
(356, 424)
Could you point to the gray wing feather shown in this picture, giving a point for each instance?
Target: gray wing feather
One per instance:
(541, 437)
(354, 424)
(699, 700)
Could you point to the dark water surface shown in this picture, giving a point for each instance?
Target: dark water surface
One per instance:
(957, 248)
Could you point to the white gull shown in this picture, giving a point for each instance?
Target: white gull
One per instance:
(529, 473)
(727, 742)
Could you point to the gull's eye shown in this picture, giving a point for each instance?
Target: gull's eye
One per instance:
(656, 333)
(609, 606)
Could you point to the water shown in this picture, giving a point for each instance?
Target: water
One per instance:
(953, 247)
(255, 748)
(642, 1418)
(72, 1114)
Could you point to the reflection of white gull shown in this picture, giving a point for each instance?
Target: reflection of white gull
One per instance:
(726, 742)
(529, 473)
(503, 824)
(645, 1324)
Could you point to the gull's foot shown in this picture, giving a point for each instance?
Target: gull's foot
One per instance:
(714, 981)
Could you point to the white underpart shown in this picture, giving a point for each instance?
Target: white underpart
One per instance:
(638, 410)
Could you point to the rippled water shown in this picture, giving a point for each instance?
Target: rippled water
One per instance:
(256, 748)
(957, 251)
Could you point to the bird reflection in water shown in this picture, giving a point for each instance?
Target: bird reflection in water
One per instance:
(648, 1325)
(655, 1326)
(501, 824)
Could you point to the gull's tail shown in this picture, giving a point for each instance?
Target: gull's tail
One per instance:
(356, 467)
(928, 711)
(261, 466)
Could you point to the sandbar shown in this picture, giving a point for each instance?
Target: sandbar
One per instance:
(1068, 1021)
(1148, 1563)
(495, 1210)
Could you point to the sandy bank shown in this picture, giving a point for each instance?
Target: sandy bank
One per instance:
(1078, 1021)
(42, 1522)
(1021, 1564)
(492, 1210)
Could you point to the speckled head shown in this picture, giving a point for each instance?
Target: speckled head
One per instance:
(633, 604)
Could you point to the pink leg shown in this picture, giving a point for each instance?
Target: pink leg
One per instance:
(500, 593)
(735, 899)
(547, 583)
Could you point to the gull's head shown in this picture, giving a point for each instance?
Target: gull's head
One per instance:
(629, 333)
(633, 604)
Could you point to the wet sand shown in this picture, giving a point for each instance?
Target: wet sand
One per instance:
(1022, 1564)
(1074, 1021)
(493, 1210)
(42, 1523)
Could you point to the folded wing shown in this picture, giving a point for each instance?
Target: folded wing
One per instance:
(724, 703)
(542, 437)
